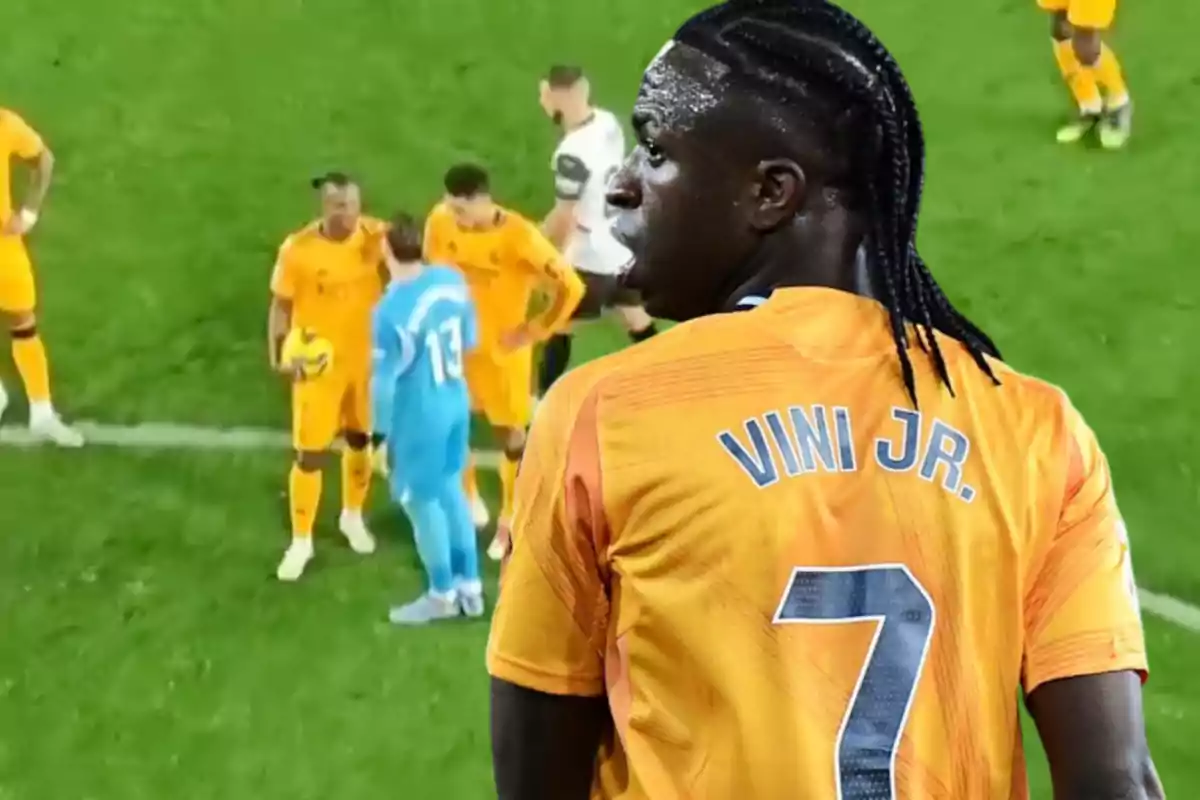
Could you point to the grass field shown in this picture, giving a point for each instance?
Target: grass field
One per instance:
(145, 650)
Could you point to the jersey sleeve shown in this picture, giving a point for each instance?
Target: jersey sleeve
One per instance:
(283, 276)
(571, 176)
(1081, 608)
(542, 260)
(551, 621)
(24, 141)
(392, 354)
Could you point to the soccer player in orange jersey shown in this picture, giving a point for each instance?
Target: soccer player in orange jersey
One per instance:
(816, 549)
(18, 292)
(327, 280)
(505, 259)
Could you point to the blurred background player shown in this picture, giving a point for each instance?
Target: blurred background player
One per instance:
(1091, 71)
(327, 279)
(18, 291)
(591, 151)
(422, 416)
(504, 258)
(819, 548)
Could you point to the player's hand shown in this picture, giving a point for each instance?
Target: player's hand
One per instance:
(21, 222)
(288, 369)
(517, 338)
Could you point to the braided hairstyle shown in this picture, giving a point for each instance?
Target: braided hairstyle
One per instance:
(818, 53)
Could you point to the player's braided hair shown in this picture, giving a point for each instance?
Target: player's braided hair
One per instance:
(802, 48)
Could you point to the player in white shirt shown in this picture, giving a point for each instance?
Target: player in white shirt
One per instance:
(590, 153)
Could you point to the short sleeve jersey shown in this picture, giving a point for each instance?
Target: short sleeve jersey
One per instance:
(503, 265)
(791, 583)
(333, 286)
(17, 140)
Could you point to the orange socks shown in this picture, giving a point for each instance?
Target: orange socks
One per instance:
(1080, 80)
(508, 486)
(29, 354)
(356, 478)
(304, 497)
(1112, 81)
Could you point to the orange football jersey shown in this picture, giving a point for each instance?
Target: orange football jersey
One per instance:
(17, 140)
(503, 265)
(333, 286)
(791, 583)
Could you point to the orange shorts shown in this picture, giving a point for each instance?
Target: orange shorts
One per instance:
(324, 407)
(501, 386)
(1096, 14)
(17, 290)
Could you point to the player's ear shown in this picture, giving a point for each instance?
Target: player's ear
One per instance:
(778, 193)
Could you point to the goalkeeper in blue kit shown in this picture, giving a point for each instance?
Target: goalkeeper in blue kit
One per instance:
(421, 328)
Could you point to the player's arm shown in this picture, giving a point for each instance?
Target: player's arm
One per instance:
(556, 278)
(1093, 732)
(1085, 655)
(549, 631)
(571, 176)
(392, 353)
(279, 314)
(30, 147)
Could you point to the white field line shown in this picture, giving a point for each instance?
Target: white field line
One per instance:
(169, 436)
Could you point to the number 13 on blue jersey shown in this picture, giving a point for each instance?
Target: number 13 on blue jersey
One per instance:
(445, 347)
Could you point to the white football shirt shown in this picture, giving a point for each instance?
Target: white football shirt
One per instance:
(585, 161)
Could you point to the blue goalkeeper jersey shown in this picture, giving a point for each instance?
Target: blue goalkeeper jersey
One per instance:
(420, 331)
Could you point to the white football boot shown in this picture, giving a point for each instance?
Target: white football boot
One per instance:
(47, 426)
(295, 559)
(354, 528)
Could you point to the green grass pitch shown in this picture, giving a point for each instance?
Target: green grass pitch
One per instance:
(145, 650)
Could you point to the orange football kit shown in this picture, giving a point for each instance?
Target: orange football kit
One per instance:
(791, 583)
(503, 266)
(17, 289)
(333, 287)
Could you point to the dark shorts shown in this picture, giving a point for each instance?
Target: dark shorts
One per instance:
(601, 292)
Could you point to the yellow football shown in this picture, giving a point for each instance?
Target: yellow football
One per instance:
(310, 353)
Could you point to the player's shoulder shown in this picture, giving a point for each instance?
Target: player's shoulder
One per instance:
(300, 237)
(12, 125)
(516, 225)
(607, 119)
(698, 344)
(439, 214)
(1036, 396)
(9, 117)
(1043, 411)
(373, 226)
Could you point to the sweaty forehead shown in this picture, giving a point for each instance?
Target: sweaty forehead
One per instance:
(681, 85)
(341, 194)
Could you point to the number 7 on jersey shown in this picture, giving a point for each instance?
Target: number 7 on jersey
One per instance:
(890, 596)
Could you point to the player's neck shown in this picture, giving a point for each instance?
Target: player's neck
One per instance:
(574, 120)
(405, 271)
(804, 254)
(332, 234)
